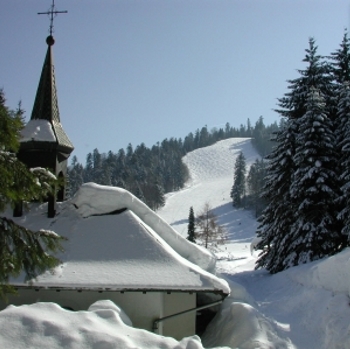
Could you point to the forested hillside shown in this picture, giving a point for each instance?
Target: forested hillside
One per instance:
(149, 173)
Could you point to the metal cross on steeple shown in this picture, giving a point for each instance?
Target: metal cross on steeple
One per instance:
(52, 13)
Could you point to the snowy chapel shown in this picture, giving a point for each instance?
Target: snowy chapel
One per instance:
(117, 248)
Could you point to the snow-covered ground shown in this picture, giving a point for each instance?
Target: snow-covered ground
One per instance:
(305, 307)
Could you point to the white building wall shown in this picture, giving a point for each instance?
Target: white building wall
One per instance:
(142, 308)
(183, 325)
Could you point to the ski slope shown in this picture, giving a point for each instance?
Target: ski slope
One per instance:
(211, 178)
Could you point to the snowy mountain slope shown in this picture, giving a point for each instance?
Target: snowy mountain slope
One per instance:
(211, 170)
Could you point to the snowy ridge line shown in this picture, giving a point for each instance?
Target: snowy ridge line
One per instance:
(113, 198)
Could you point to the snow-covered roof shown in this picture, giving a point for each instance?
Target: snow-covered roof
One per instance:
(38, 130)
(94, 199)
(118, 251)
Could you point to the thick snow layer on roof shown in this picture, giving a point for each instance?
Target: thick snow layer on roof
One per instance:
(94, 199)
(38, 130)
(116, 251)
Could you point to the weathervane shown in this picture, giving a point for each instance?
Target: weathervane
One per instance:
(52, 13)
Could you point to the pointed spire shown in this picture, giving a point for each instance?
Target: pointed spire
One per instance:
(43, 141)
(46, 103)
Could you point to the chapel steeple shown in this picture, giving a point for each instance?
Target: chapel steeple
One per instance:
(46, 103)
(44, 142)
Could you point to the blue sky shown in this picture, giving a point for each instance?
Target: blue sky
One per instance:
(132, 71)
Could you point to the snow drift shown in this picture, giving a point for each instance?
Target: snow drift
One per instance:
(103, 326)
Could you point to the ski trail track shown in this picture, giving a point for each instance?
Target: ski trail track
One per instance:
(211, 178)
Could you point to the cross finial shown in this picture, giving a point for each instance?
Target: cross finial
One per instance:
(52, 12)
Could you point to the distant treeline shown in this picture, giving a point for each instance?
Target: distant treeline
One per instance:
(149, 173)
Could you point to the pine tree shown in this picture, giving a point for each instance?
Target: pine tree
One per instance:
(89, 169)
(191, 230)
(277, 229)
(341, 73)
(314, 190)
(255, 184)
(316, 74)
(20, 248)
(278, 216)
(344, 163)
(239, 182)
(260, 138)
(204, 137)
(75, 175)
(340, 65)
(158, 196)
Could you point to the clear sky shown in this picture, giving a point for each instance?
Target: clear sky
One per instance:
(133, 71)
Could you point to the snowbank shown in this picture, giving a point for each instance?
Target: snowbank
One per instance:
(332, 274)
(104, 325)
(241, 325)
(304, 307)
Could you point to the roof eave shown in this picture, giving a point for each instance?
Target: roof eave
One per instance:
(102, 289)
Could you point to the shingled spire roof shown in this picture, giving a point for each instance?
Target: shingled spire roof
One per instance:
(46, 106)
(43, 141)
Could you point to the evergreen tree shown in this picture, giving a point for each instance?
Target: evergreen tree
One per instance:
(340, 62)
(249, 128)
(204, 137)
(191, 231)
(278, 216)
(196, 140)
(344, 163)
(255, 183)
(20, 248)
(277, 228)
(242, 130)
(262, 137)
(88, 169)
(97, 167)
(228, 130)
(316, 74)
(239, 182)
(75, 175)
(158, 197)
(314, 190)
(259, 135)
